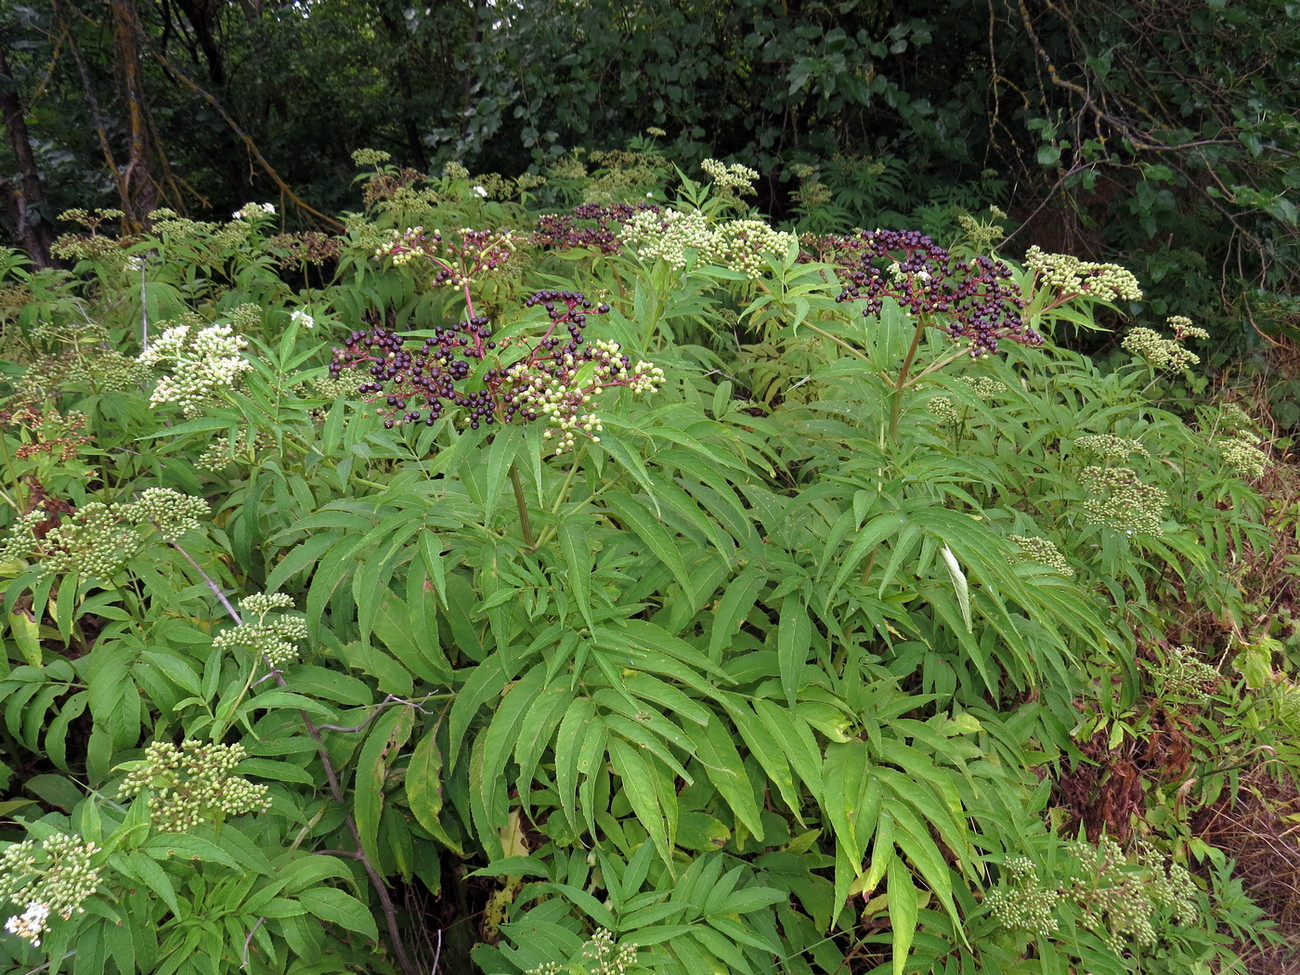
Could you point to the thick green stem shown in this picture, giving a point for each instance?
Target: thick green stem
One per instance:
(896, 397)
(522, 504)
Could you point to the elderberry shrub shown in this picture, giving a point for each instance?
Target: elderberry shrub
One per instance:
(974, 299)
(557, 380)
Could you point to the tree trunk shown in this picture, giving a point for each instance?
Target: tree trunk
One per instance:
(137, 186)
(32, 229)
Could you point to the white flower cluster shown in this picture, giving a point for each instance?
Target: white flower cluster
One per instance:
(734, 177)
(203, 363)
(302, 318)
(250, 210)
(53, 876)
(1071, 277)
(276, 640)
(671, 236)
(193, 783)
(31, 924)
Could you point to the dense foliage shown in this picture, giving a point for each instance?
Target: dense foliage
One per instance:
(1156, 130)
(630, 588)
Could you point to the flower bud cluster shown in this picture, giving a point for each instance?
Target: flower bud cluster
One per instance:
(1119, 500)
(589, 225)
(202, 364)
(1042, 551)
(974, 300)
(1116, 893)
(1024, 901)
(1163, 353)
(456, 262)
(983, 235)
(1183, 676)
(735, 177)
(557, 380)
(676, 237)
(81, 357)
(1111, 449)
(53, 876)
(192, 784)
(276, 639)
(370, 157)
(1241, 454)
(171, 512)
(985, 387)
(100, 539)
(1072, 278)
(944, 410)
(242, 447)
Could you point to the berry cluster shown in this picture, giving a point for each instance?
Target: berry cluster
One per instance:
(555, 380)
(457, 262)
(589, 225)
(974, 300)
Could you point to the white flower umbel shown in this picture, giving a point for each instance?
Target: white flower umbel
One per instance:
(203, 363)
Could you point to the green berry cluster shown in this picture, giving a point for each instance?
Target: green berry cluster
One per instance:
(76, 357)
(1119, 500)
(1023, 901)
(943, 410)
(53, 876)
(1042, 551)
(985, 387)
(370, 157)
(1184, 677)
(273, 637)
(192, 784)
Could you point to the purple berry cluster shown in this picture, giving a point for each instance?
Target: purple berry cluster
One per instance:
(556, 380)
(974, 299)
(589, 225)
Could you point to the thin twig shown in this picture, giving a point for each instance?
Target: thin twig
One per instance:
(336, 790)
